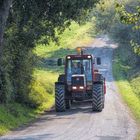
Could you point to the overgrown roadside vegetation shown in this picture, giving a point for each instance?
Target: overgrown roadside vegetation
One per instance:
(128, 87)
(42, 87)
(126, 70)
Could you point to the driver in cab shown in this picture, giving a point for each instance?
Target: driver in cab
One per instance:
(76, 69)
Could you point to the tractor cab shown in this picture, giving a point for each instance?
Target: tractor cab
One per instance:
(79, 69)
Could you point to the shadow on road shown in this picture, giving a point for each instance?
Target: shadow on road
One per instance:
(77, 107)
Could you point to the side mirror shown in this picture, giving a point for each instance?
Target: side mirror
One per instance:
(98, 59)
(60, 61)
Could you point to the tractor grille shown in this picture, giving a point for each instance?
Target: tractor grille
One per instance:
(78, 81)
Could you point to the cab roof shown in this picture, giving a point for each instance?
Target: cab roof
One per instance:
(78, 56)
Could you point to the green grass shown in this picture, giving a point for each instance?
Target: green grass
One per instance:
(13, 115)
(129, 89)
(44, 77)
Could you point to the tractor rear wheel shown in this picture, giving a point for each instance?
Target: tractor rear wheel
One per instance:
(61, 78)
(103, 100)
(97, 98)
(60, 98)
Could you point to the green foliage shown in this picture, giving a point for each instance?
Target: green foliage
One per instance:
(108, 21)
(28, 23)
(132, 18)
(39, 17)
(136, 47)
(42, 88)
(129, 17)
(17, 66)
(75, 35)
(41, 95)
(13, 115)
(128, 87)
(135, 82)
(104, 14)
(121, 33)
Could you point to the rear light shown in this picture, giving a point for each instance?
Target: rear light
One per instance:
(74, 87)
(81, 87)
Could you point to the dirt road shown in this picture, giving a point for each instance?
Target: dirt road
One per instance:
(80, 123)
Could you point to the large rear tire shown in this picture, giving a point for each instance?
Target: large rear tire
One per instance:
(60, 98)
(97, 98)
(61, 78)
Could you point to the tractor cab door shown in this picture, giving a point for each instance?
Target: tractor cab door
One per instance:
(87, 64)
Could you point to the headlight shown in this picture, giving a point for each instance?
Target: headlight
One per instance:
(89, 56)
(81, 87)
(74, 87)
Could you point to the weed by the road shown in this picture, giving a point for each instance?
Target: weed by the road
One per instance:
(13, 115)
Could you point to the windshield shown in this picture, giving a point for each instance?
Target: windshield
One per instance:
(79, 67)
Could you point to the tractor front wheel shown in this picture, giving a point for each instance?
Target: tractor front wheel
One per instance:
(97, 98)
(60, 105)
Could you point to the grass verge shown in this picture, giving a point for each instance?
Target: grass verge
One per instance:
(127, 87)
(13, 115)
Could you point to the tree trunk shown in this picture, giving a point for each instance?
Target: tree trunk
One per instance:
(4, 11)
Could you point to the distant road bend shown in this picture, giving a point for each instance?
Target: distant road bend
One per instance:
(80, 123)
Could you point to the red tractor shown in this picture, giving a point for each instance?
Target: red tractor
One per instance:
(80, 82)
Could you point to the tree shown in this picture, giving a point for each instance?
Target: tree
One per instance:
(28, 21)
(4, 11)
(131, 18)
